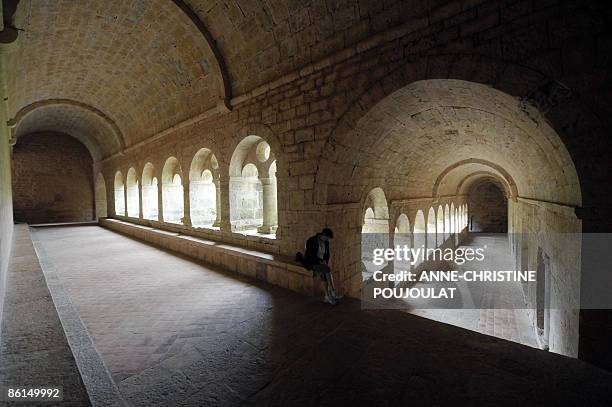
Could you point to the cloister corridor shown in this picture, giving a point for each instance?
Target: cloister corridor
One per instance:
(197, 200)
(158, 334)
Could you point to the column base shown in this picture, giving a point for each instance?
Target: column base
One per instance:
(267, 229)
(186, 221)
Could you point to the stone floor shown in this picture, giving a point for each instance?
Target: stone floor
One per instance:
(173, 332)
(34, 351)
(506, 315)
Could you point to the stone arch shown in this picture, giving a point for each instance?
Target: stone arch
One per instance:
(184, 82)
(500, 172)
(252, 186)
(473, 68)
(374, 228)
(172, 191)
(150, 193)
(466, 183)
(204, 189)
(402, 224)
(62, 109)
(376, 202)
(132, 193)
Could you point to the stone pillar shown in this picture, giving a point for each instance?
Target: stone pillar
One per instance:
(217, 222)
(110, 201)
(186, 205)
(270, 217)
(125, 199)
(224, 199)
(140, 212)
(160, 201)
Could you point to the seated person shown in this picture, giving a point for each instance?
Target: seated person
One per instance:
(316, 259)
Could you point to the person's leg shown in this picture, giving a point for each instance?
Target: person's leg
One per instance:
(328, 290)
(323, 271)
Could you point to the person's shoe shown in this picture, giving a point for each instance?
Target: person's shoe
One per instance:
(336, 296)
(329, 300)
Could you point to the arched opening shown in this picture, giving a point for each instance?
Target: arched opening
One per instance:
(172, 192)
(431, 228)
(489, 208)
(119, 194)
(100, 193)
(150, 196)
(204, 189)
(133, 195)
(252, 189)
(440, 226)
(374, 230)
(479, 133)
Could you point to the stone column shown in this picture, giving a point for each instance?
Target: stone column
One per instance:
(140, 212)
(224, 205)
(270, 217)
(217, 222)
(125, 199)
(186, 205)
(111, 201)
(160, 201)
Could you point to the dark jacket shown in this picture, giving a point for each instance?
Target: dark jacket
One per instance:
(312, 250)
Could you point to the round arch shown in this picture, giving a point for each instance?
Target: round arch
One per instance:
(204, 189)
(150, 193)
(253, 186)
(172, 191)
(132, 194)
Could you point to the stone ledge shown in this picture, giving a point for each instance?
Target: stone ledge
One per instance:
(273, 268)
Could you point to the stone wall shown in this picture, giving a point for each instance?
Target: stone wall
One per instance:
(52, 179)
(539, 230)
(6, 208)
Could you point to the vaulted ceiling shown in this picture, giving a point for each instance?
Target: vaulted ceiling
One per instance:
(142, 63)
(146, 65)
(427, 138)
